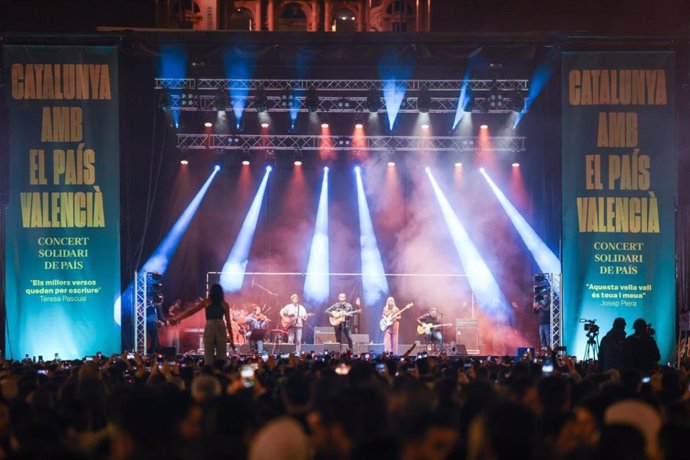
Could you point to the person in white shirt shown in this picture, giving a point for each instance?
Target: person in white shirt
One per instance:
(292, 317)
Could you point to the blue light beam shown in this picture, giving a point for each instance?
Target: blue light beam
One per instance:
(479, 276)
(173, 64)
(232, 274)
(316, 284)
(159, 260)
(545, 258)
(463, 101)
(238, 66)
(540, 78)
(393, 97)
(374, 282)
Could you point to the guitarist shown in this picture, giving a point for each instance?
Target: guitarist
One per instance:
(293, 316)
(434, 336)
(342, 307)
(390, 335)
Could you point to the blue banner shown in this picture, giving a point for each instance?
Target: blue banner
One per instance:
(62, 226)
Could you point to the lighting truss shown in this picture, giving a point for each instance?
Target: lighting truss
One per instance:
(140, 312)
(357, 104)
(215, 84)
(371, 143)
(555, 279)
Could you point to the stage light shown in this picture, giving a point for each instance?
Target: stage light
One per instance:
(480, 278)
(297, 158)
(343, 104)
(393, 96)
(184, 157)
(464, 102)
(373, 101)
(208, 124)
(158, 262)
(427, 169)
(269, 168)
(425, 126)
(423, 101)
(312, 101)
(516, 165)
(545, 258)
(326, 169)
(286, 99)
(264, 125)
(316, 282)
(484, 127)
(391, 163)
(260, 101)
(232, 274)
(481, 170)
(246, 157)
(374, 283)
(324, 125)
(458, 164)
(359, 124)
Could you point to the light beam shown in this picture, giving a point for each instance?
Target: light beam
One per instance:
(316, 283)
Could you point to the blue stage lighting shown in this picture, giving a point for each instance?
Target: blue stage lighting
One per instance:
(158, 262)
(540, 78)
(463, 101)
(357, 169)
(269, 168)
(545, 258)
(374, 283)
(173, 64)
(238, 66)
(482, 282)
(316, 283)
(216, 168)
(325, 169)
(232, 274)
(393, 97)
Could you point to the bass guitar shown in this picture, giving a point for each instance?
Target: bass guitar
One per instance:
(388, 320)
(426, 328)
(338, 316)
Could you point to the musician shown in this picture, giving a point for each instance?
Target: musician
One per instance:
(390, 335)
(154, 320)
(434, 336)
(174, 310)
(294, 315)
(257, 322)
(215, 337)
(342, 307)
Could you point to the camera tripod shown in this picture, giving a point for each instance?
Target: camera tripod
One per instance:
(592, 348)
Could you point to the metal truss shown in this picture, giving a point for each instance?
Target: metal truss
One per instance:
(215, 84)
(140, 287)
(556, 280)
(355, 104)
(370, 143)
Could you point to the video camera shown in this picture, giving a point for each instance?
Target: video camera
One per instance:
(590, 325)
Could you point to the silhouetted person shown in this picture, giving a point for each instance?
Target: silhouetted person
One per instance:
(611, 347)
(640, 350)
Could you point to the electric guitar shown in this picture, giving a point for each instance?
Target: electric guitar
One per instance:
(338, 316)
(388, 320)
(426, 328)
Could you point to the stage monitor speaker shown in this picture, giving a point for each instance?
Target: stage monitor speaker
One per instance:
(522, 351)
(359, 338)
(169, 353)
(457, 350)
(467, 334)
(324, 335)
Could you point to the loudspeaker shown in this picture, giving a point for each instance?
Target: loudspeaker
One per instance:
(324, 335)
(371, 348)
(168, 353)
(467, 334)
(279, 348)
(457, 349)
(359, 338)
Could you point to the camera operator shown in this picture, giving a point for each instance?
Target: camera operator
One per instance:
(640, 350)
(611, 347)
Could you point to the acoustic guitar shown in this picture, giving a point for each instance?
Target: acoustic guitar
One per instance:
(426, 328)
(338, 316)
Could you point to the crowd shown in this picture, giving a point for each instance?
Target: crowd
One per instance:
(341, 407)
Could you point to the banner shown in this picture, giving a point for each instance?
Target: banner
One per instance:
(62, 227)
(619, 189)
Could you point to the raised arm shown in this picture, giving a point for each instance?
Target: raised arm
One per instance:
(203, 304)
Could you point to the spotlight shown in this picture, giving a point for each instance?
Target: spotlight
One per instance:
(425, 126)
(208, 124)
(359, 125)
(246, 157)
(391, 163)
(423, 101)
(312, 100)
(427, 169)
(516, 165)
(358, 169)
(216, 168)
(373, 101)
(286, 99)
(264, 124)
(516, 101)
(260, 101)
(481, 170)
(269, 168)
(184, 158)
(189, 100)
(324, 125)
(458, 164)
(326, 169)
(484, 127)
(297, 158)
(343, 104)
(342, 142)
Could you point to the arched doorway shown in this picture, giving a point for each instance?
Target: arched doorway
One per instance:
(344, 20)
(399, 16)
(240, 19)
(292, 18)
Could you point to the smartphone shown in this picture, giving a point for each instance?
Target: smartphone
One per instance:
(247, 375)
(381, 368)
(547, 367)
(42, 372)
(342, 369)
(88, 358)
(646, 379)
(264, 357)
(130, 355)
